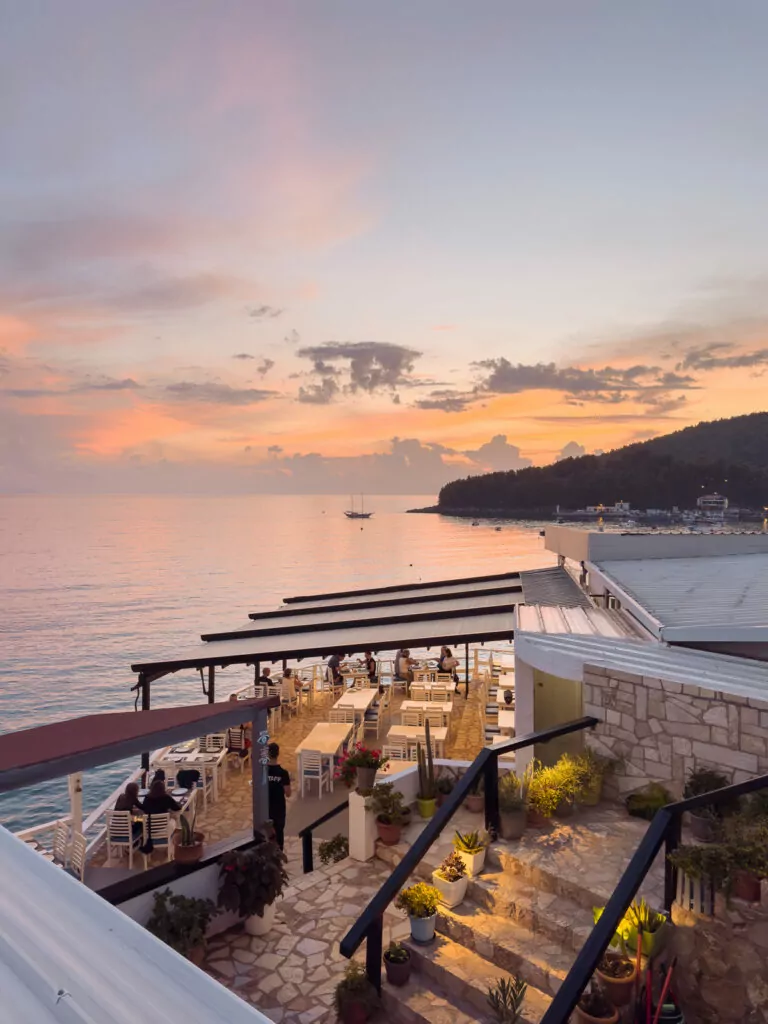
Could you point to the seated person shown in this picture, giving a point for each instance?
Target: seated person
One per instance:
(371, 667)
(265, 679)
(447, 663)
(187, 778)
(129, 801)
(243, 749)
(403, 670)
(334, 670)
(288, 687)
(158, 800)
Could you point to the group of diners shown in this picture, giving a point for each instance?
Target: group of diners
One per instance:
(156, 801)
(405, 665)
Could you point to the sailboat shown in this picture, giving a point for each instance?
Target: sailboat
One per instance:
(362, 514)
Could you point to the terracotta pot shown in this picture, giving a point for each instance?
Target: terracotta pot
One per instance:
(397, 974)
(389, 834)
(188, 854)
(196, 955)
(354, 1013)
(536, 819)
(618, 990)
(580, 1017)
(366, 777)
(564, 809)
(475, 803)
(746, 886)
(427, 808)
(512, 824)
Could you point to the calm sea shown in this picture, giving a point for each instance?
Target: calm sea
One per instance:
(89, 584)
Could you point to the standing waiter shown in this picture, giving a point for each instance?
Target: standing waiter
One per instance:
(279, 787)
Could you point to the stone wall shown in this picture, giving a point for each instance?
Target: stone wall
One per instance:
(722, 972)
(660, 730)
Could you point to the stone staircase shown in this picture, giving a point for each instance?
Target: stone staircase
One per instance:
(518, 918)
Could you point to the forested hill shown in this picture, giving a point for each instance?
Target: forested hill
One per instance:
(730, 456)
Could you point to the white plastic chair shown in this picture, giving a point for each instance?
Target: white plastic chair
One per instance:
(77, 855)
(313, 768)
(345, 715)
(419, 692)
(215, 742)
(396, 750)
(435, 718)
(237, 749)
(439, 694)
(120, 835)
(159, 828)
(411, 717)
(61, 843)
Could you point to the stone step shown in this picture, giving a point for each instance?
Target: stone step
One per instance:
(539, 960)
(503, 857)
(547, 914)
(466, 977)
(423, 1001)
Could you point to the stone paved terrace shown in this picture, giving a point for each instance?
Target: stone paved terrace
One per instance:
(534, 901)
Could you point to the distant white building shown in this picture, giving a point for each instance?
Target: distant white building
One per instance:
(712, 502)
(618, 506)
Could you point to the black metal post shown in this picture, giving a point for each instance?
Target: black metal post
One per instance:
(256, 672)
(144, 685)
(671, 843)
(373, 950)
(491, 780)
(466, 671)
(259, 790)
(211, 684)
(306, 852)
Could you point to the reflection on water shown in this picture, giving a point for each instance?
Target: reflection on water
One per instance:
(89, 584)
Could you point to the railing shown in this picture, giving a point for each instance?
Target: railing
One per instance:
(370, 925)
(664, 830)
(305, 835)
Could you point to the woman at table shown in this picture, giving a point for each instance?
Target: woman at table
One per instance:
(129, 800)
(447, 663)
(158, 800)
(403, 669)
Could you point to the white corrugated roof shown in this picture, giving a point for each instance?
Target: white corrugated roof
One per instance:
(293, 617)
(592, 621)
(374, 636)
(437, 589)
(67, 956)
(566, 656)
(709, 599)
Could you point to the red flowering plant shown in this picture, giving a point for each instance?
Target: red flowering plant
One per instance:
(358, 757)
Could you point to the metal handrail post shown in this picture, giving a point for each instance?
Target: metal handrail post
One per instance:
(671, 843)
(374, 948)
(307, 862)
(491, 786)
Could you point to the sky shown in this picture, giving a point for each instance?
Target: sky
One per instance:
(271, 246)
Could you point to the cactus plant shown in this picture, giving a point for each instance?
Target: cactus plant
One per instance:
(427, 785)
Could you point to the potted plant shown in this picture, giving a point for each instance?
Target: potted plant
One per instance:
(471, 847)
(570, 777)
(250, 882)
(475, 799)
(420, 902)
(187, 843)
(181, 922)
(594, 768)
(544, 793)
(427, 795)
(595, 1008)
(333, 850)
(355, 997)
(616, 974)
(445, 786)
(506, 999)
(640, 919)
(397, 964)
(705, 821)
(451, 880)
(359, 766)
(513, 800)
(735, 865)
(387, 806)
(646, 801)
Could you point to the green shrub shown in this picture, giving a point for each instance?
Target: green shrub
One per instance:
(419, 900)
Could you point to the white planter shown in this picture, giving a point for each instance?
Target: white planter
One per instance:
(256, 925)
(473, 862)
(451, 893)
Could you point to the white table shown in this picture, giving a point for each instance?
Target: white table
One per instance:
(201, 760)
(326, 739)
(360, 700)
(429, 705)
(417, 733)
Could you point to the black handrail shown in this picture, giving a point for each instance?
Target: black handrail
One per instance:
(305, 835)
(370, 923)
(664, 829)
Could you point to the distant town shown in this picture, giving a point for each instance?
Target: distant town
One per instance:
(710, 508)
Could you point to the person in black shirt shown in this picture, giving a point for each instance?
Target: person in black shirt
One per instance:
(370, 667)
(265, 679)
(279, 786)
(158, 800)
